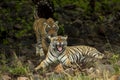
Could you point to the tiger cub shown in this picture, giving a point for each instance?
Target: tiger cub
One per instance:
(59, 51)
(44, 28)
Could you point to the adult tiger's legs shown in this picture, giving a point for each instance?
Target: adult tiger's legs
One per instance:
(39, 48)
(41, 65)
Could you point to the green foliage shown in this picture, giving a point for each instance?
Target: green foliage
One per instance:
(102, 6)
(117, 68)
(13, 69)
(5, 41)
(18, 71)
(3, 62)
(114, 59)
(15, 13)
(81, 3)
(106, 6)
(20, 33)
(61, 29)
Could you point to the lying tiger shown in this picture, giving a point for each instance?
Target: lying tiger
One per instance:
(44, 28)
(59, 51)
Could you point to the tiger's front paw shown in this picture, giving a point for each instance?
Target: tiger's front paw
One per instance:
(37, 68)
(41, 69)
(40, 66)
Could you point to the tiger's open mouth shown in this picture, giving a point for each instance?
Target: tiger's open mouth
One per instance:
(59, 48)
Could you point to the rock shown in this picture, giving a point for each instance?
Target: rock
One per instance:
(23, 78)
(118, 63)
(115, 77)
(101, 71)
(6, 77)
(36, 77)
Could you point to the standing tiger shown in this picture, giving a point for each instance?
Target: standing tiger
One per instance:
(44, 28)
(59, 51)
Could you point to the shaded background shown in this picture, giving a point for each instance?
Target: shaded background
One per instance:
(80, 19)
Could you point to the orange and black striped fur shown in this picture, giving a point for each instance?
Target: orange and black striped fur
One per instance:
(44, 28)
(59, 51)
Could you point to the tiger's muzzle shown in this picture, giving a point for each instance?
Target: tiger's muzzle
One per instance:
(60, 47)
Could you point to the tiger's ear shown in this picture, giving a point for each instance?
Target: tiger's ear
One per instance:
(49, 37)
(65, 36)
(56, 22)
(44, 23)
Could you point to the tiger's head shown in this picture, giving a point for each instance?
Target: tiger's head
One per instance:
(51, 28)
(58, 43)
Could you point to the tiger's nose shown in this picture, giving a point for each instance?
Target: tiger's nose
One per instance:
(52, 35)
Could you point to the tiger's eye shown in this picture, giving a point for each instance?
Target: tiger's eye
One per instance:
(55, 28)
(47, 29)
(58, 43)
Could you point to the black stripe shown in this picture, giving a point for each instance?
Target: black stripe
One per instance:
(79, 50)
(77, 57)
(52, 54)
(64, 60)
(77, 54)
(70, 51)
(86, 53)
(62, 56)
(50, 59)
(95, 54)
(47, 62)
(80, 55)
(62, 51)
(73, 57)
(83, 59)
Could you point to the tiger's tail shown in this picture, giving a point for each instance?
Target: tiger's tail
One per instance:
(35, 14)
